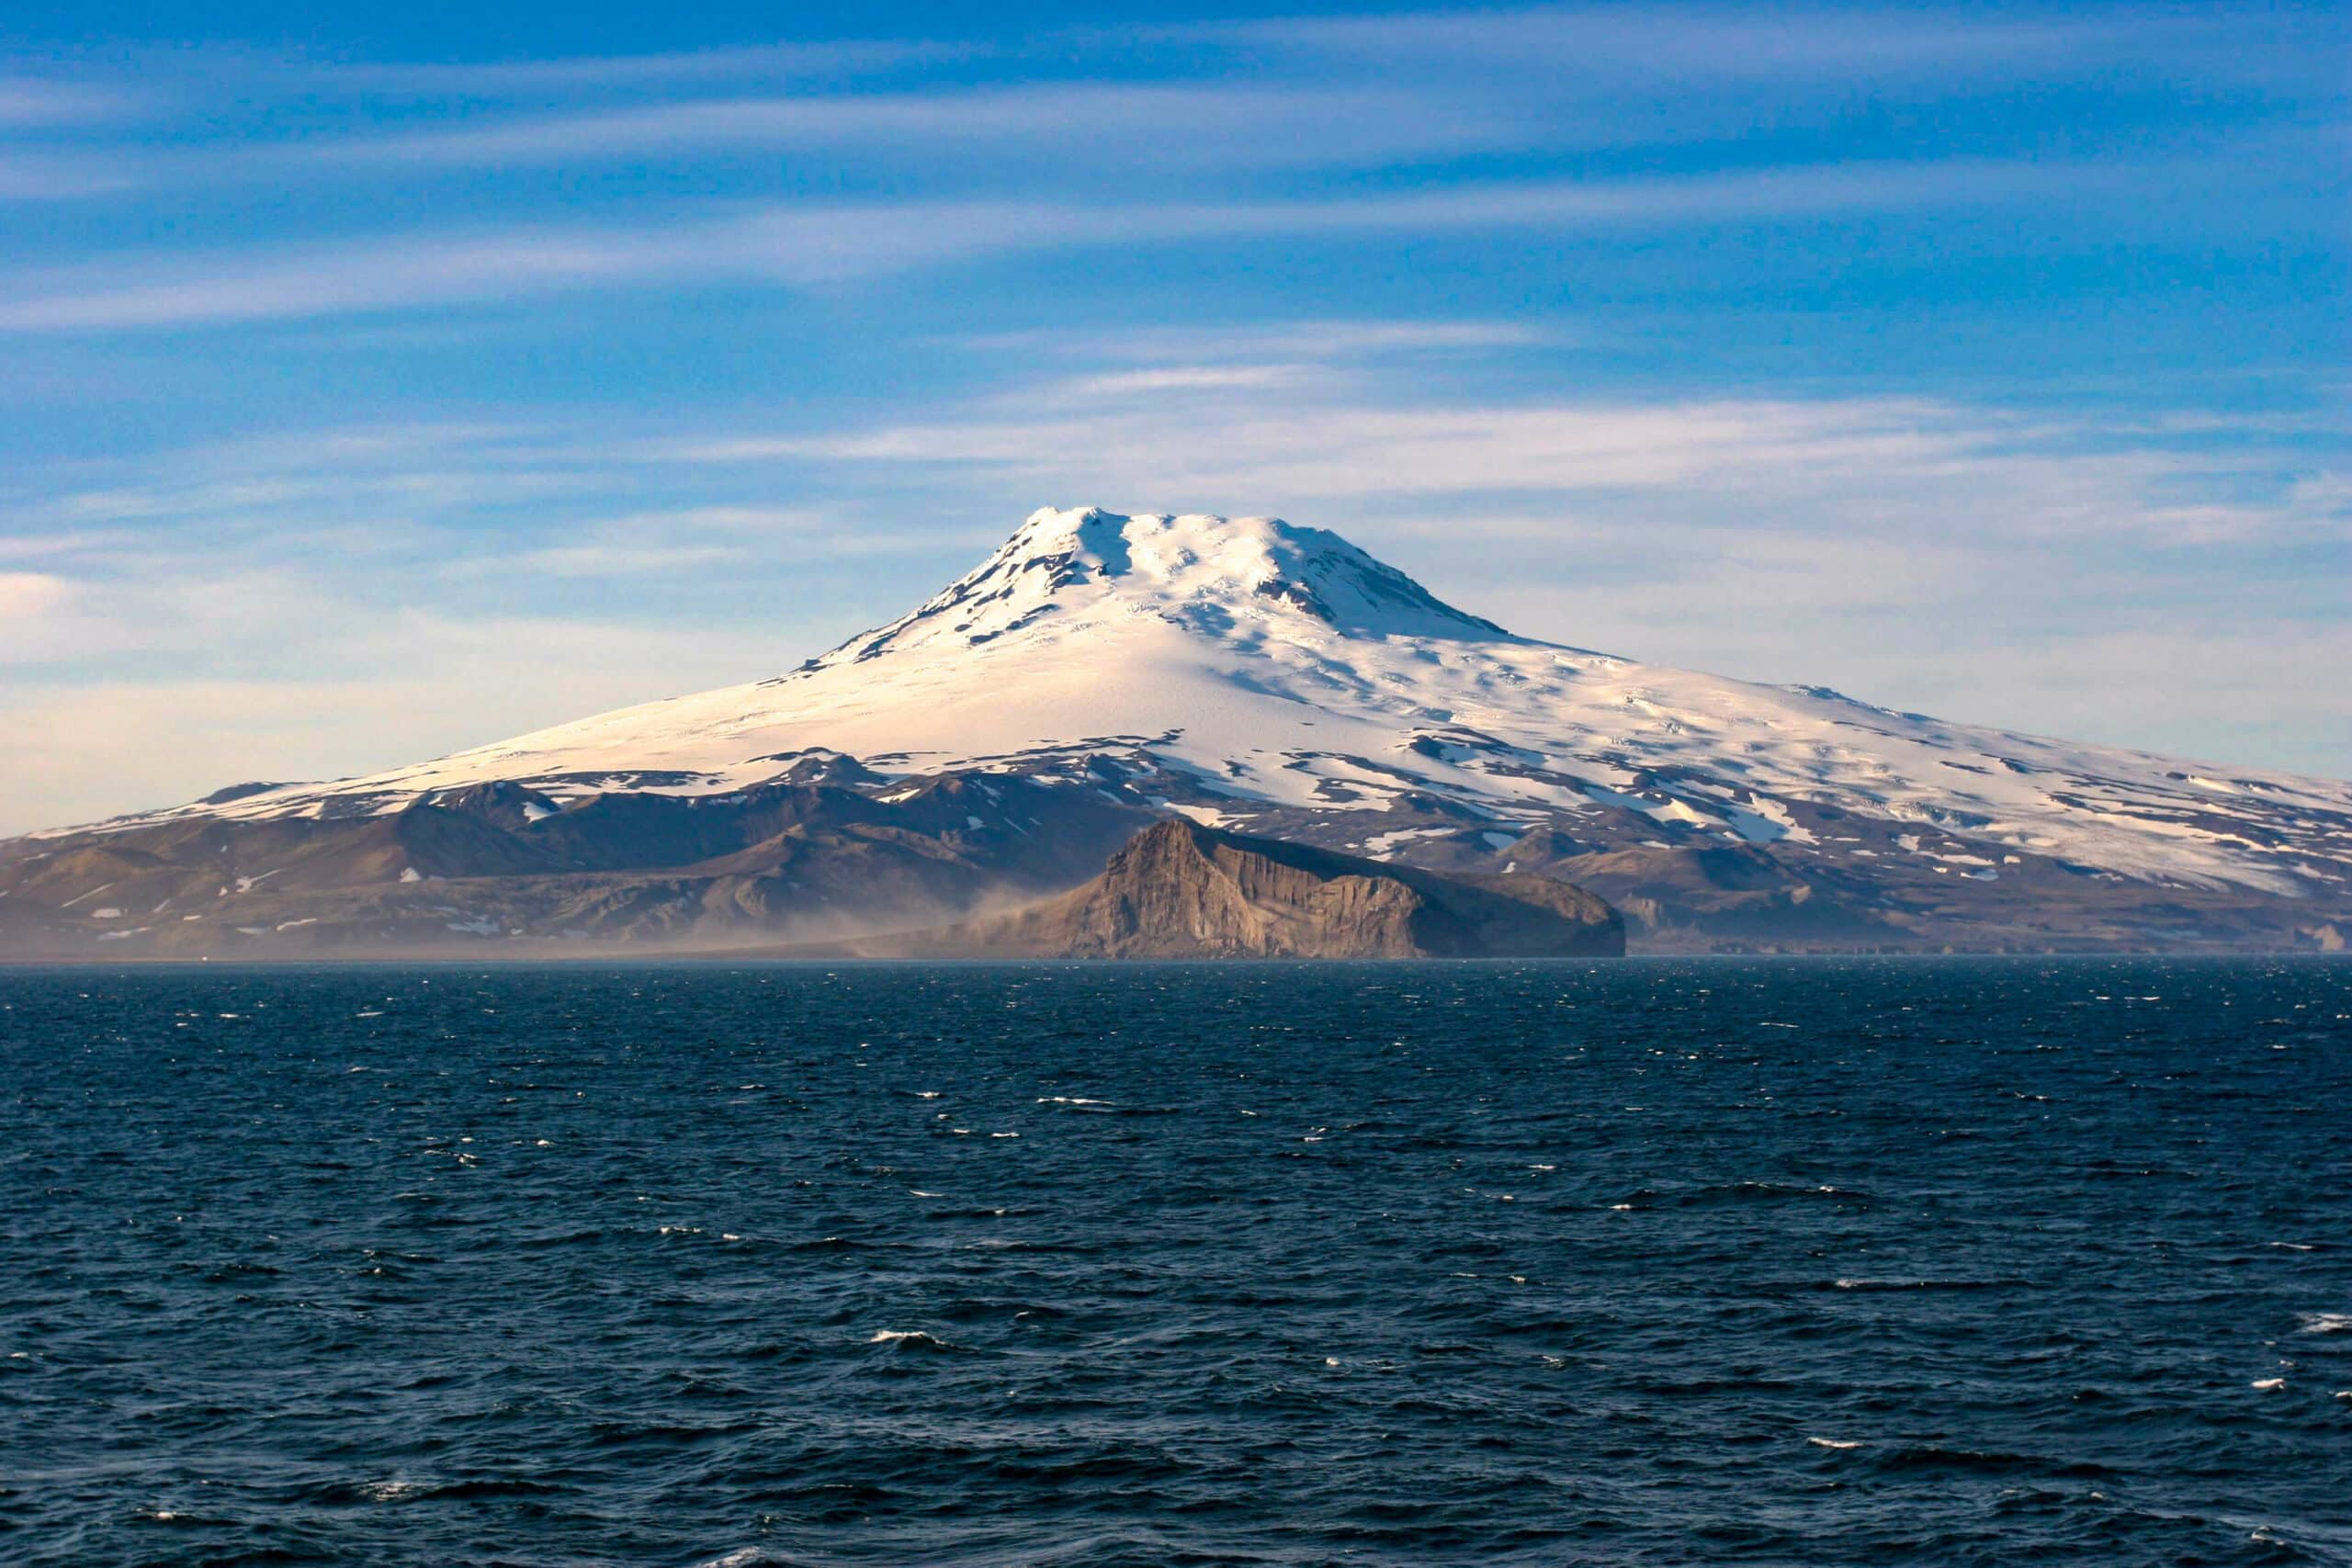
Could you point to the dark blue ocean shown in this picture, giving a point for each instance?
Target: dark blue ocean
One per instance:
(1709, 1262)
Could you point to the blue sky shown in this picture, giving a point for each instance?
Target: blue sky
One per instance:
(380, 381)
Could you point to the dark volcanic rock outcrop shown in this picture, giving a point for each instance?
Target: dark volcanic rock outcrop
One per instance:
(823, 848)
(1179, 890)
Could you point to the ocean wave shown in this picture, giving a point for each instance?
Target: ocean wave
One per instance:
(1130, 1364)
(1901, 1284)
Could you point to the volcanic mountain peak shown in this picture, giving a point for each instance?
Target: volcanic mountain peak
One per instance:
(1067, 570)
(1258, 675)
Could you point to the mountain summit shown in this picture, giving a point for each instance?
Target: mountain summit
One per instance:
(1088, 568)
(1275, 680)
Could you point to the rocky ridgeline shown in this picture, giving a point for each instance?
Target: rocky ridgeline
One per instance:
(1178, 890)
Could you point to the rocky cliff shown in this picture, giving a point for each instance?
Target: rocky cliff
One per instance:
(1179, 890)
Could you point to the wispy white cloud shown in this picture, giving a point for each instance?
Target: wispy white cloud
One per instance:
(1679, 41)
(831, 58)
(1129, 126)
(811, 244)
(56, 177)
(1255, 96)
(19, 548)
(279, 284)
(35, 101)
(1210, 343)
(1183, 378)
(1223, 437)
(623, 560)
(674, 540)
(1692, 44)
(28, 595)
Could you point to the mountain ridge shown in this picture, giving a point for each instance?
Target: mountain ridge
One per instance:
(1178, 890)
(1274, 680)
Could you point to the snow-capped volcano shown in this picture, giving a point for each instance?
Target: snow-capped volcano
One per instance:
(1253, 672)
(1191, 571)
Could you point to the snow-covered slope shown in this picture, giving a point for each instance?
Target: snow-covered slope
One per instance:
(1253, 667)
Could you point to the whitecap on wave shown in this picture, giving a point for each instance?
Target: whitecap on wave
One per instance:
(390, 1491)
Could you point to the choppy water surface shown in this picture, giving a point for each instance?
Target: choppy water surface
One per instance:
(1798, 1262)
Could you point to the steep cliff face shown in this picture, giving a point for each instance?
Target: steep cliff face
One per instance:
(1179, 890)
